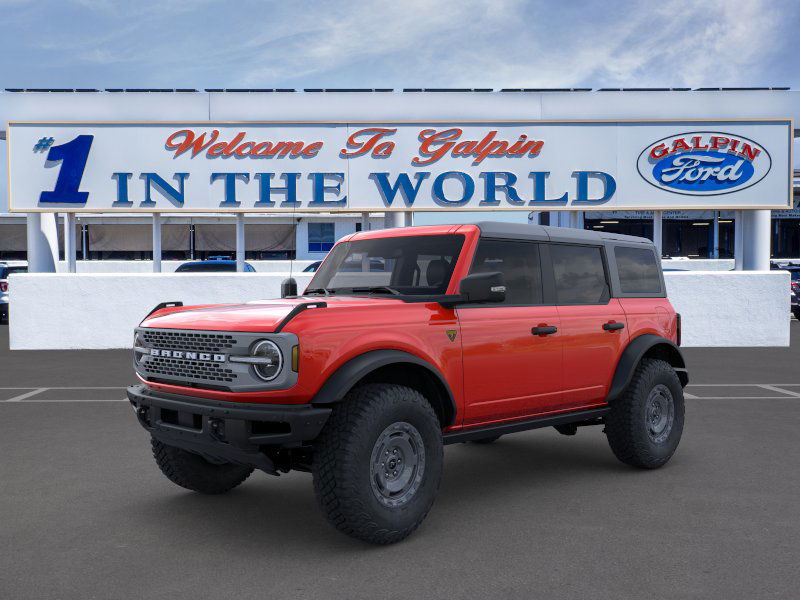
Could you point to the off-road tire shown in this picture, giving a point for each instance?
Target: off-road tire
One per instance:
(487, 440)
(795, 311)
(193, 472)
(627, 426)
(344, 458)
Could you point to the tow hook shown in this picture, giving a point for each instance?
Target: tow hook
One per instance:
(217, 429)
(143, 414)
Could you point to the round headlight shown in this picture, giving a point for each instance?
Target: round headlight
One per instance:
(138, 342)
(268, 368)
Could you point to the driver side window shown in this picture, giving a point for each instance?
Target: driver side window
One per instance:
(519, 264)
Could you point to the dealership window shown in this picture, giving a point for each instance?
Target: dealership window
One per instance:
(519, 264)
(13, 241)
(262, 241)
(321, 237)
(786, 238)
(638, 271)
(579, 273)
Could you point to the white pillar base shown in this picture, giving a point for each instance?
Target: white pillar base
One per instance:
(42, 232)
(756, 240)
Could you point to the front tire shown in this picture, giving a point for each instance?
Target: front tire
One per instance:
(378, 463)
(645, 424)
(193, 472)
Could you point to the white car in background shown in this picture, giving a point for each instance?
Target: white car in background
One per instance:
(6, 269)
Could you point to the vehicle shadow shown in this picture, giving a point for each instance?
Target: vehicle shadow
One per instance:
(265, 510)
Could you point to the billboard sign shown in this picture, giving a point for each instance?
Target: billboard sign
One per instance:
(284, 167)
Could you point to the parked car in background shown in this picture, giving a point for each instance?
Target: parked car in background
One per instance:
(312, 268)
(212, 265)
(6, 269)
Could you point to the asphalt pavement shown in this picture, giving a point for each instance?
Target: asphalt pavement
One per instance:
(85, 513)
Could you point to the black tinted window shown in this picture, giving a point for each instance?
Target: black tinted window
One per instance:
(579, 273)
(519, 264)
(638, 271)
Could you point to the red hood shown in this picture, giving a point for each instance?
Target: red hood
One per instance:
(260, 316)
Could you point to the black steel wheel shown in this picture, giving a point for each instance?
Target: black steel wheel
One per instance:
(378, 462)
(645, 424)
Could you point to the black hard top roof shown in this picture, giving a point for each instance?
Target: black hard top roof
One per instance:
(554, 234)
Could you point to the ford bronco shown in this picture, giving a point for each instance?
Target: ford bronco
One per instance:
(407, 340)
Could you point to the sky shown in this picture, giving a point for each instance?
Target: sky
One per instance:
(403, 43)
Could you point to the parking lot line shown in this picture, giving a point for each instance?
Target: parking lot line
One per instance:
(776, 388)
(27, 394)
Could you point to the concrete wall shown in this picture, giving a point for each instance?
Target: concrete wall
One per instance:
(53, 311)
(731, 308)
(100, 310)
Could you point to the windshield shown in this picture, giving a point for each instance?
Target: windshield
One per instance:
(415, 265)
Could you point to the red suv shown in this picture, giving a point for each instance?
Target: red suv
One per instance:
(407, 340)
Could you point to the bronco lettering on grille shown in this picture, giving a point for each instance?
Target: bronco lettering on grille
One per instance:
(204, 356)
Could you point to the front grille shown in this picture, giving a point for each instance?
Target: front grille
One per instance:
(192, 369)
(192, 341)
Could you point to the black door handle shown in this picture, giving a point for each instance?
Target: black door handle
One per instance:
(544, 330)
(613, 326)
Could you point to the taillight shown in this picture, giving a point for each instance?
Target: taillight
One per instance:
(678, 332)
(795, 286)
(3, 286)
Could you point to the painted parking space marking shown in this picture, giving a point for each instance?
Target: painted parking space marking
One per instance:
(62, 394)
(20, 397)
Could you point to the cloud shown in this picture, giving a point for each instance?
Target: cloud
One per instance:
(403, 43)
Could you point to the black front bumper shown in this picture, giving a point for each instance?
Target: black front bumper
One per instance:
(226, 431)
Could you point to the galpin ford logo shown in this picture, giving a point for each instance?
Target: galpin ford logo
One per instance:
(704, 163)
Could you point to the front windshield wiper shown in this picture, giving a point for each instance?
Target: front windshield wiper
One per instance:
(314, 291)
(376, 289)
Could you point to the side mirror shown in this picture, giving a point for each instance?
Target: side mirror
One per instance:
(478, 287)
(288, 287)
(483, 287)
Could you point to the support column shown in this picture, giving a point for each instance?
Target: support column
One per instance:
(42, 234)
(69, 241)
(240, 242)
(85, 241)
(156, 242)
(364, 221)
(395, 219)
(658, 231)
(408, 219)
(738, 240)
(715, 236)
(756, 242)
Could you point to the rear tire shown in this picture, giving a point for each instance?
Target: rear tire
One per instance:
(193, 472)
(645, 424)
(378, 463)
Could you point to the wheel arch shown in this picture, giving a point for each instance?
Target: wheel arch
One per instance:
(391, 366)
(646, 346)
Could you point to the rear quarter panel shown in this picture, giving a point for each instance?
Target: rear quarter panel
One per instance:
(650, 315)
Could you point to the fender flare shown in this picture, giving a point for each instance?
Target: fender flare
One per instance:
(346, 376)
(634, 353)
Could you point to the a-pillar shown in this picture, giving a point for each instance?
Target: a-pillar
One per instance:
(42, 234)
(756, 239)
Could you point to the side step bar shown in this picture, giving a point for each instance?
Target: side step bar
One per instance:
(465, 435)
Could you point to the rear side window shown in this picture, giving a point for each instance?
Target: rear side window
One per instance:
(519, 264)
(579, 274)
(638, 271)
